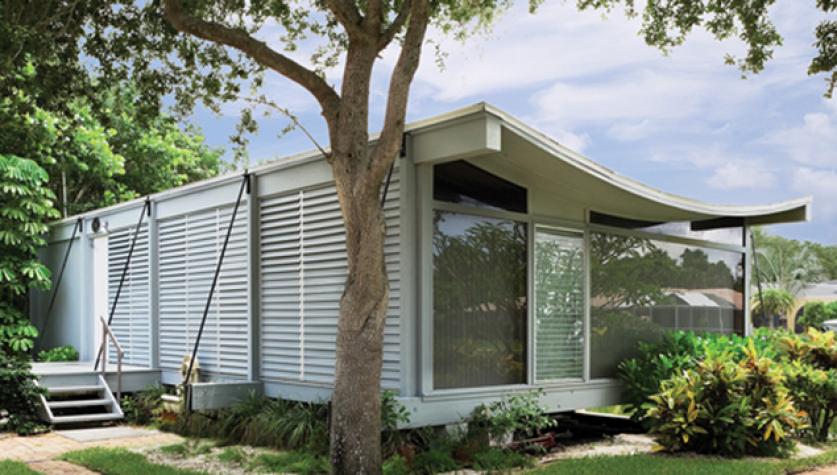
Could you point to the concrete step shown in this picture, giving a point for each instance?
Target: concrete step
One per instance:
(56, 390)
(110, 416)
(80, 403)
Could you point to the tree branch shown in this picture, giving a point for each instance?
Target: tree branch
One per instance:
(258, 50)
(399, 90)
(348, 16)
(374, 17)
(397, 24)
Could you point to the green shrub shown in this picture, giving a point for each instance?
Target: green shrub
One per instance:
(811, 373)
(393, 414)
(678, 351)
(143, 407)
(19, 395)
(396, 465)
(261, 421)
(60, 353)
(496, 459)
(815, 313)
(518, 415)
(814, 391)
(434, 460)
(726, 407)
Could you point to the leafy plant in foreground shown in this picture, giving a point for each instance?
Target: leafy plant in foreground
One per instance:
(25, 207)
(59, 353)
(726, 407)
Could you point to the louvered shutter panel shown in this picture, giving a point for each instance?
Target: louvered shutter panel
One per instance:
(559, 305)
(303, 272)
(281, 334)
(190, 246)
(132, 317)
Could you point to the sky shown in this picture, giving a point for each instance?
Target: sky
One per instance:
(685, 122)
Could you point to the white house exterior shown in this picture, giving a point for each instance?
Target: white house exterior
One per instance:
(512, 261)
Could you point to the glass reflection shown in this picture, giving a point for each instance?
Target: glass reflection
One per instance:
(642, 288)
(479, 301)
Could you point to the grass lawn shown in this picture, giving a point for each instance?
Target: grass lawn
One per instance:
(120, 462)
(684, 465)
(11, 467)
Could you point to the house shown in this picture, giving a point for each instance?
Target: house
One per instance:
(514, 264)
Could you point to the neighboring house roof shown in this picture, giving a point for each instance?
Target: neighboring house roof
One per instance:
(820, 290)
(698, 299)
(499, 134)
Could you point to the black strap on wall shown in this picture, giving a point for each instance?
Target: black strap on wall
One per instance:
(146, 209)
(76, 228)
(757, 274)
(386, 184)
(245, 186)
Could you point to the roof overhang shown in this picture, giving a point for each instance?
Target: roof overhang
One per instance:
(482, 130)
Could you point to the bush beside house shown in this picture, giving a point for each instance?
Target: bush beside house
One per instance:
(735, 395)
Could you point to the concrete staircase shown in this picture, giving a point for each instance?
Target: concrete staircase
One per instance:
(79, 399)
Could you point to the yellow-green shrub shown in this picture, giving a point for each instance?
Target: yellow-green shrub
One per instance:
(727, 407)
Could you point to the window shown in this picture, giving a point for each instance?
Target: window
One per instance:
(642, 288)
(559, 305)
(463, 183)
(479, 301)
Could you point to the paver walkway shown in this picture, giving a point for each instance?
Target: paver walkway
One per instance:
(40, 450)
(830, 470)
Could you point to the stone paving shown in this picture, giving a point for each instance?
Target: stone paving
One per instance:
(40, 450)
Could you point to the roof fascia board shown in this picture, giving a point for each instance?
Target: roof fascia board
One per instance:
(460, 138)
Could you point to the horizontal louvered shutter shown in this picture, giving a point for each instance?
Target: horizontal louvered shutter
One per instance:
(190, 246)
(559, 305)
(303, 273)
(132, 316)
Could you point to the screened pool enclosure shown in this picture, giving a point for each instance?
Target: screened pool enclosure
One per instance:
(514, 264)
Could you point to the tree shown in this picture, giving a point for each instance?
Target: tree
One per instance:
(99, 149)
(773, 302)
(222, 47)
(26, 207)
(785, 263)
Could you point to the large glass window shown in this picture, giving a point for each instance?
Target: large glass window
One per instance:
(559, 305)
(642, 288)
(479, 301)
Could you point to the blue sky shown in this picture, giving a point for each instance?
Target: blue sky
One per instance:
(684, 123)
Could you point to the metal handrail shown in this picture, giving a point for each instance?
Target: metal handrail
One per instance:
(107, 334)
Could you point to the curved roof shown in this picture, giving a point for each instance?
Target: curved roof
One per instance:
(611, 192)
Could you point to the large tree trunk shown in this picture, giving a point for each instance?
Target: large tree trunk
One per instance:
(356, 402)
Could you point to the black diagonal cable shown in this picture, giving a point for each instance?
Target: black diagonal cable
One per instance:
(76, 228)
(757, 274)
(245, 185)
(386, 184)
(146, 208)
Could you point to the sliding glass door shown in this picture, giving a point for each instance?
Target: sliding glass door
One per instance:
(559, 304)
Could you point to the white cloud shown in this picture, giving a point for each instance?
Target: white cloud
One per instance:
(814, 142)
(822, 185)
(630, 131)
(572, 140)
(741, 174)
